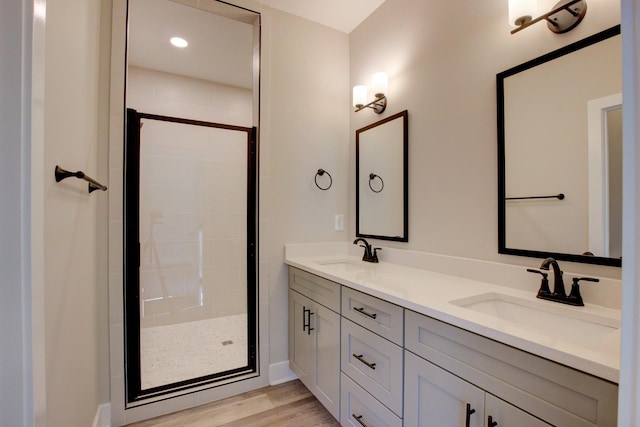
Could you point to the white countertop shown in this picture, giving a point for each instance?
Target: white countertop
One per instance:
(431, 293)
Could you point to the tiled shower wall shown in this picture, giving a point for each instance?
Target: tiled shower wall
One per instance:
(192, 200)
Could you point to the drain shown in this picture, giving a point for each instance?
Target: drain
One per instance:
(228, 342)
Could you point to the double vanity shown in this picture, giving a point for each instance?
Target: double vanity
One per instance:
(384, 344)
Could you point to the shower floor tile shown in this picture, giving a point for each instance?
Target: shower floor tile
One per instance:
(173, 353)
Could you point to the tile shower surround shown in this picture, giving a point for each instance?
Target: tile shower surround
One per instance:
(192, 223)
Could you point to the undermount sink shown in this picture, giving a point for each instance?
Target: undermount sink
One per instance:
(334, 261)
(575, 325)
(342, 264)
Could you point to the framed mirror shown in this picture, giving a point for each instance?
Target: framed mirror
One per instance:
(382, 179)
(559, 153)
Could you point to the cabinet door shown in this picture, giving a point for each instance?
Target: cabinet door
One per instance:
(301, 343)
(326, 335)
(314, 349)
(505, 415)
(434, 397)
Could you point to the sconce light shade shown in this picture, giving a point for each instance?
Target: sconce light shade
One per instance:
(379, 84)
(565, 15)
(521, 11)
(359, 96)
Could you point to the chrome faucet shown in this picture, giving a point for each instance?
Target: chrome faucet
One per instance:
(559, 294)
(370, 255)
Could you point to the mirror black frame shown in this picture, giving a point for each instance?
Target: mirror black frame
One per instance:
(405, 173)
(502, 249)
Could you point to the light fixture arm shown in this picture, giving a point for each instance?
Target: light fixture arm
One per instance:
(378, 105)
(553, 24)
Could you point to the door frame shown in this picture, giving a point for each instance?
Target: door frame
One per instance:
(134, 392)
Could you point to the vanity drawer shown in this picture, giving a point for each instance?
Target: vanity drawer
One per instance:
(382, 317)
(316, 288)
(360, 408)
(374, 363)
(555, 393)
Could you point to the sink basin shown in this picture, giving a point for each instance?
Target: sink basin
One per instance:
(557, 321)
(342, 264)
(334, 261)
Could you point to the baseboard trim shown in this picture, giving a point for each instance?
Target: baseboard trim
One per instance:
(280, 373)
(103, 416)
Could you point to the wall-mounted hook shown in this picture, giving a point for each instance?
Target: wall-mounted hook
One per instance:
(93, 184)
(321, 172)
(373, 176)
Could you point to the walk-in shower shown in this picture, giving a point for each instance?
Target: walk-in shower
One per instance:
(190, 200)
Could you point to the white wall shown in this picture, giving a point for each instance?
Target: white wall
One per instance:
(309, 107)
(442, 61)
(72, 109)
(15, 399)
(629, 392)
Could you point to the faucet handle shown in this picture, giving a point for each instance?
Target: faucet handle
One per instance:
(574, 297)
(544, 285)
(374, 256)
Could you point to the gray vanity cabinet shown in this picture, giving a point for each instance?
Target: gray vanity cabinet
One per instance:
(314, 336)
(376, 364)
(435, 397)
(449, 362)
(372, 362)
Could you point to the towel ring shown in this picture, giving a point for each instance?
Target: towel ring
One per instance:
(373, 176)
(321, 172)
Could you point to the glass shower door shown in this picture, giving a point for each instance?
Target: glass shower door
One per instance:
(190, 289)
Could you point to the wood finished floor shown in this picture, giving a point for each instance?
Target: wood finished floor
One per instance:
(285, 405)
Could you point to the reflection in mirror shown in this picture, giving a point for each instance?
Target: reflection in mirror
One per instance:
(559, 160)
(605, 176)
(381, 179)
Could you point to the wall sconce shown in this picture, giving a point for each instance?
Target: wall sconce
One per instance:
(564, 17)
(379, 86)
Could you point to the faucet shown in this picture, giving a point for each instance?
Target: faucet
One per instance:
(559, 294)
(558, 283)
(370, 255)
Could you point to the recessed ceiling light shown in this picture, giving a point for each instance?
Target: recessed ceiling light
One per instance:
(179, 42)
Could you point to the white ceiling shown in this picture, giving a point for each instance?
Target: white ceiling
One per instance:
(343, 15)
(220, 49)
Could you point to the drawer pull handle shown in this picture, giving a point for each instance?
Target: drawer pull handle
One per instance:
(358, 418)
(469, 413)
(361, 311)
(361, 359)
(306, 320)
(491, 423)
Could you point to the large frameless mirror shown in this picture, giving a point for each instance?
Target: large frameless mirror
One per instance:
(559, 149)
(382, 179)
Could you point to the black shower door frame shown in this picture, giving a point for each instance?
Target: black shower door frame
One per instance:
(133, 389)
